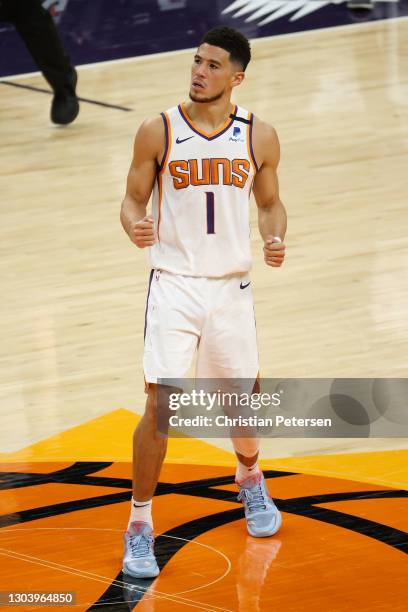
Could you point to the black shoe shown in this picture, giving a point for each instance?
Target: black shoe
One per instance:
(65, 104)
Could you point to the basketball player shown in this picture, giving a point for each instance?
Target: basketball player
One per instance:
(201, 159)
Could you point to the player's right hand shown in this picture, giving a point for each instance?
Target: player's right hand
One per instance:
(142, 233)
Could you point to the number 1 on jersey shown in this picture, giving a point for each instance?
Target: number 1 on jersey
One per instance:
(210, 212)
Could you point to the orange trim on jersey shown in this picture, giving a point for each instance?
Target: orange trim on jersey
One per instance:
(163, 167)
(160, 185)
(251, 186)
(249, 142)
(168, 143)
(201, 132)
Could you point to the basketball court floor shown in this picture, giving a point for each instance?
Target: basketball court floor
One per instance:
(73, 296)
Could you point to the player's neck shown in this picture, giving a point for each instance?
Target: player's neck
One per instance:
(211, 115)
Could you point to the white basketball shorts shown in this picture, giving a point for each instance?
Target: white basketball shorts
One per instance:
(213, 316)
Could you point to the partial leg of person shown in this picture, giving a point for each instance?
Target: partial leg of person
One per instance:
(228, 350)
(149, 450)
(246, 448)
(247, 451)
(263, 517)
(36, 27)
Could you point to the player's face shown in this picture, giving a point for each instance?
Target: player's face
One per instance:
(213, 74)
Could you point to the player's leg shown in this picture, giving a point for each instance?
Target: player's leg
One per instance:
(149, 450)
(171, 335)
(228, 349)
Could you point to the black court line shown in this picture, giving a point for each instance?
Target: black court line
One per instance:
(47, 91)
(79, 473)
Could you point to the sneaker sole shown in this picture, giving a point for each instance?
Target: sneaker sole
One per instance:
(140, 575)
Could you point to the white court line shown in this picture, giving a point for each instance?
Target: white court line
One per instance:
(105, 579)
(256, 41)
(70, 570)
(227, 571)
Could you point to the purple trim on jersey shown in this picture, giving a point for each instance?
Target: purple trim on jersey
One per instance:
(166, 145)
(147, 304)
(250, 142)
(234, 112)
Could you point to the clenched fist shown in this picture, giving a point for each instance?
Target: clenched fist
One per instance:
(143, 233)
(274, 251)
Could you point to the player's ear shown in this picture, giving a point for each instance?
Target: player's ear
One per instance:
(237, 78)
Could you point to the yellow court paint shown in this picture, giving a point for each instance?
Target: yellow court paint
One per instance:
(387, 468)
(109, 438)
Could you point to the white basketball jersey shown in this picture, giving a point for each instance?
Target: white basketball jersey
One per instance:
(201, 196)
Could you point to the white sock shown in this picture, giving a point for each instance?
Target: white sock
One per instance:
(243, 472)
(141, 511)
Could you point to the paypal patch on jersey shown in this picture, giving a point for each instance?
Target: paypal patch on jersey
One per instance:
(237, 135)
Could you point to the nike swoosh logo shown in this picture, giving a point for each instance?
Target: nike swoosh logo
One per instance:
(178, 141)
(243, 286)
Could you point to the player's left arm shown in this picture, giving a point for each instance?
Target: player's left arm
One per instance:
(272, 219)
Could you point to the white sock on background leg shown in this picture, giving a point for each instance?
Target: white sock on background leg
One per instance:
(141, 511)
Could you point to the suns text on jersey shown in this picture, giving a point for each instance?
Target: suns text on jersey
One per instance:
(209, 171)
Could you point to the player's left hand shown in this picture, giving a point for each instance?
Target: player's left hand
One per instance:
(274, 251)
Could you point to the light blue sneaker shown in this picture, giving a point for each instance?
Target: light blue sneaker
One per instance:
(139, 560)
(262, 516)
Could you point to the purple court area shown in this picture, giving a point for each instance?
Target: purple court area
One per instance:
(100, 30)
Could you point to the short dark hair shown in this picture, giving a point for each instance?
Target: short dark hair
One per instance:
(232, 41)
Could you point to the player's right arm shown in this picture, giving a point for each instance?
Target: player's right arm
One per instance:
(147, 151)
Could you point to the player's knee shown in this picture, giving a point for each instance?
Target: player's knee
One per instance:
(158, 401)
